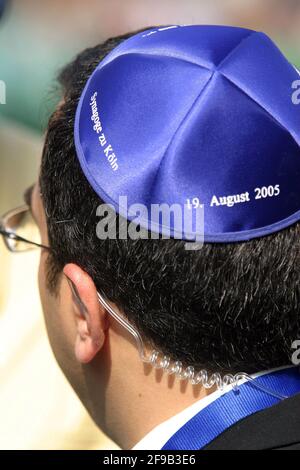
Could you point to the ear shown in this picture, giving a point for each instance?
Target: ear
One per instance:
(90, 317)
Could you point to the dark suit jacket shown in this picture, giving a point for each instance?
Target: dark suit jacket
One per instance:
(277, 427)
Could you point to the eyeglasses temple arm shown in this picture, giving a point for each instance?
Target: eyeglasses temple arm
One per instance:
(14, 236)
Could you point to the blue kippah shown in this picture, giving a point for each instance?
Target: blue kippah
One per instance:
(195, 114)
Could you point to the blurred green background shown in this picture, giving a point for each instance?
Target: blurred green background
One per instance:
(38, 38)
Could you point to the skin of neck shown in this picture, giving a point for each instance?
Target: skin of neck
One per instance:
(135, 397)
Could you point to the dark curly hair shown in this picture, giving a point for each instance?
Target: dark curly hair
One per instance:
(226, 307)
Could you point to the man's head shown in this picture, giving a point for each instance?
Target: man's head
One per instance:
(226, 307)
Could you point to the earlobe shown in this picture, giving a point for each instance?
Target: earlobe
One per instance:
(86, 348)
(89, 315)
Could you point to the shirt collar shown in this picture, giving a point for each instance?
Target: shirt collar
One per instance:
(158, 436)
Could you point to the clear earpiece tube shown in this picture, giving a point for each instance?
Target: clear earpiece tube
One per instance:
(161, 361)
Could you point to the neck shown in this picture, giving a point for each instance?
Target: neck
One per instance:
(141, 409)
(128, 398)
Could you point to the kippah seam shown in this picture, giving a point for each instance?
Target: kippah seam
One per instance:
(178, 128)
(146, 54)
(233, 51)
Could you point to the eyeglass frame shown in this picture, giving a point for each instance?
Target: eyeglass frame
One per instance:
(7, 234)
(11, 235)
